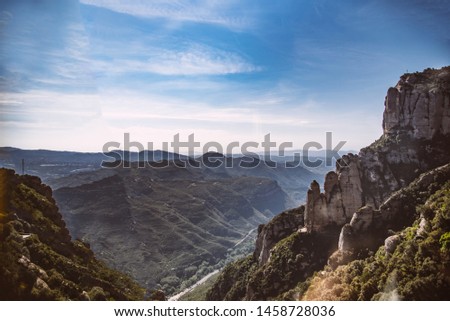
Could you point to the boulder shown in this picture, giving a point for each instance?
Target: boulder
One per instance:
(391, 243)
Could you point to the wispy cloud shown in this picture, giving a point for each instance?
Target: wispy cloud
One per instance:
(223, 13)
(89, 120)
(196, 59)
(49, 108)
(42, 47)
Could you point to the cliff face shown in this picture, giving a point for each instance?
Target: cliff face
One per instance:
(419, 104)
(342, 196)
(357, 207)
(416, 127)
(270, 234)
(412, 264)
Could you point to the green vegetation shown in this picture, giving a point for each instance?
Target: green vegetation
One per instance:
(38, 260)
(293, 259)
(233, 254)
(418, 269)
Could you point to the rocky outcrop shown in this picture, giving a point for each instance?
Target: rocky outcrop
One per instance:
(270, 234)
(391, 243)
(369, 227)
(416, 135)
(405, 266)
(367, 198)
(419, 104)
(342, 195)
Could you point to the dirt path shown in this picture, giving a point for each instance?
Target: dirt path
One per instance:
(176, 297)
(245, 237)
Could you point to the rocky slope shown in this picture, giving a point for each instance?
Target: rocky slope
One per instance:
(356, 212)
(38, 260)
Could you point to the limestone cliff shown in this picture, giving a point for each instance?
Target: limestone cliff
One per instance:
(370, 227)
(343, 195)
(408, 147)
(270, 234)
(416, 127)
(357, 209)
(419, 104)
(410, 262)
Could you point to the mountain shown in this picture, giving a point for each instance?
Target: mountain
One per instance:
(154, 220)
(55, 167)
(38, 260)
(379, 229)
(50, 165)
(164, 225)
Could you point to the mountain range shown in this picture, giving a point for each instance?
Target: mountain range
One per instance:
(164, 224)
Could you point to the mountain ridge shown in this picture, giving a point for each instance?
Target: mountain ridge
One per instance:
(38, 259)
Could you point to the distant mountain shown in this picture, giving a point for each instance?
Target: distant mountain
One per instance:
(53, 166)
(380, 229)
(48, 164)
(38, 260)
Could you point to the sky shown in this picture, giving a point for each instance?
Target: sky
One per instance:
(75, 75)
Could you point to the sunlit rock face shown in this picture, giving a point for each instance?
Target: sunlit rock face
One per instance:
(419, 104)
(416, 131)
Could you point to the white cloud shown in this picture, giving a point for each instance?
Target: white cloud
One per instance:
(196, 59)
(43, 119)
(224, 13)
(52, 109)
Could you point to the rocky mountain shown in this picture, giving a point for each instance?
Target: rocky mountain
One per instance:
(368, 202)
(38, 259)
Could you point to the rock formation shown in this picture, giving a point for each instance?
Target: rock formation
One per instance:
(270, 234)
(363, 201)
(342, 196)
(416, 126)
(416, 138)
(419, 104)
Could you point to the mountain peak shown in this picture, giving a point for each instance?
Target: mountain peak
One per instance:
(213, 155)
(419, 104)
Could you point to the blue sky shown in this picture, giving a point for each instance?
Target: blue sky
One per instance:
(77, 74)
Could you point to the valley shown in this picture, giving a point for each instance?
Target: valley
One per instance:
(166, 226)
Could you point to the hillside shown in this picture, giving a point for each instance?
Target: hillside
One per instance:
(412, 264)
(38, 259)
(368, 204)
(124, 212)
(166, 225)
